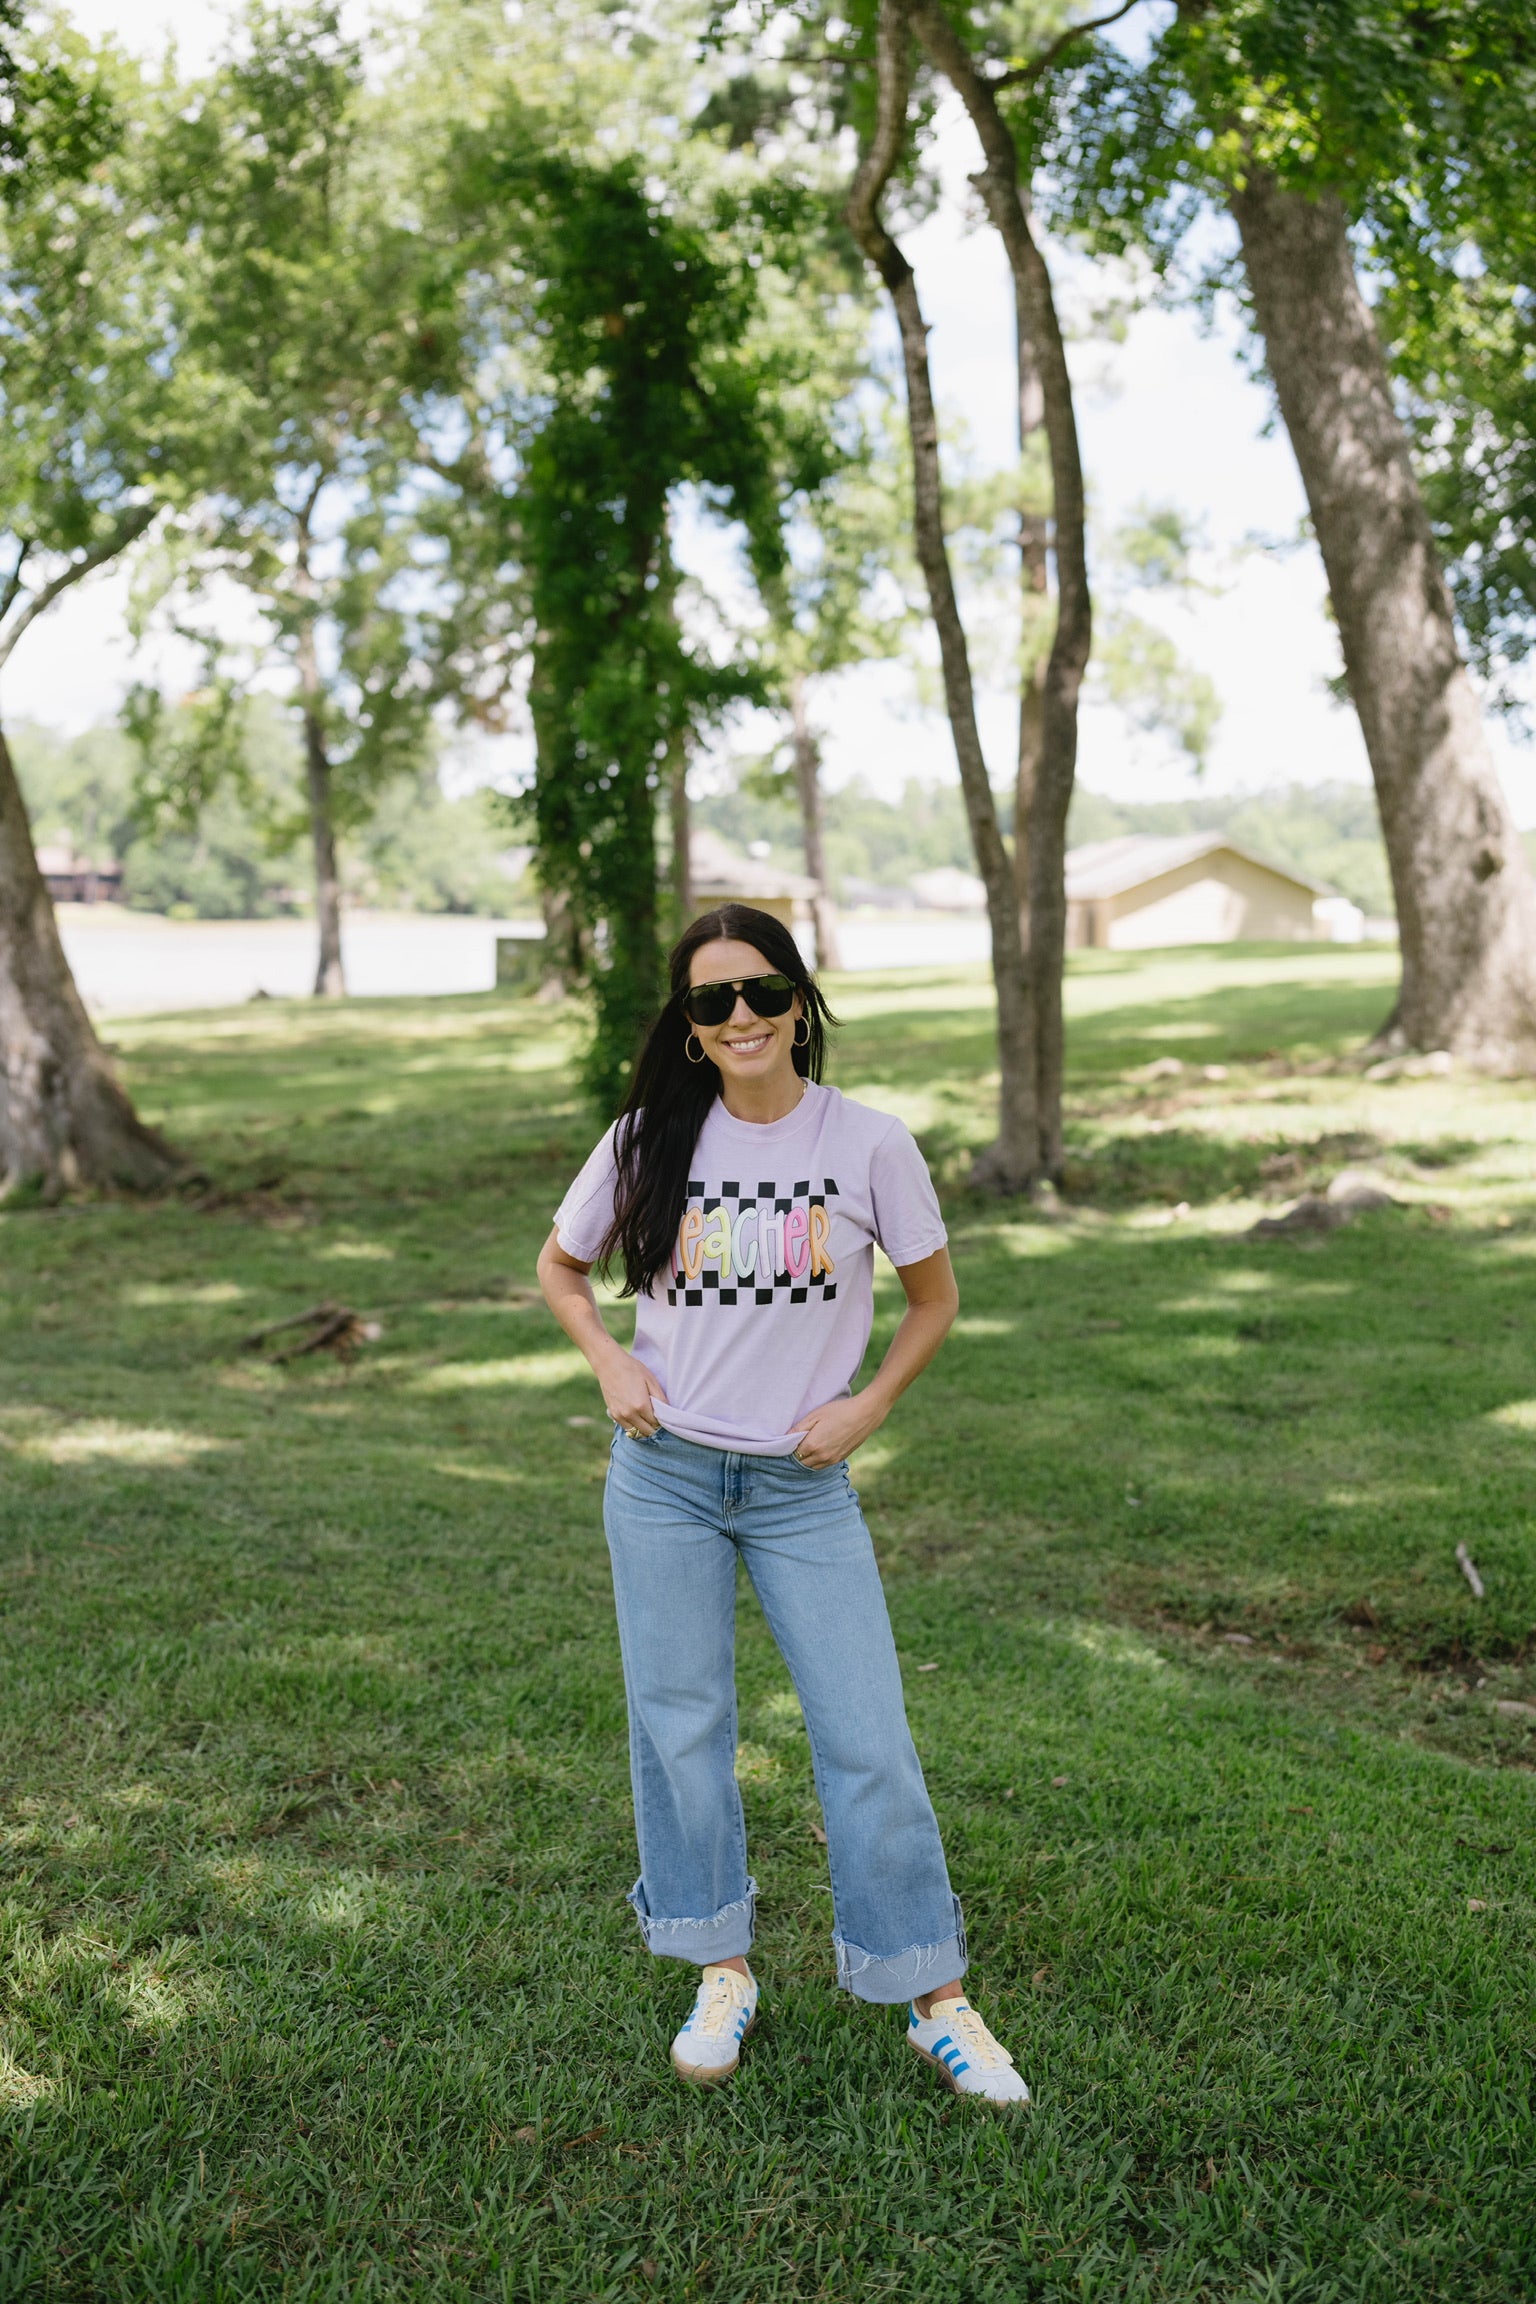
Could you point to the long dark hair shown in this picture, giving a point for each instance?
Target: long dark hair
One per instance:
(667, 1104)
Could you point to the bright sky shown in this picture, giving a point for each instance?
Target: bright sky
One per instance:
(1170, 416)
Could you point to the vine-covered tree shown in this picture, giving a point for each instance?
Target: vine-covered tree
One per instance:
(643, 376)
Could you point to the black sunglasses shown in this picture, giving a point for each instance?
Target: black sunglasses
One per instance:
(713, 1003)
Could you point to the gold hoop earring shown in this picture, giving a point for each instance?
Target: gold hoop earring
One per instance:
(700, 1056)
(798, 1042)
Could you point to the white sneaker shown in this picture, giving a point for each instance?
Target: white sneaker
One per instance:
(957, 2043)
(708, 2048)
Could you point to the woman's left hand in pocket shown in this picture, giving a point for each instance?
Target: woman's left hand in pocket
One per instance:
(832, 1433)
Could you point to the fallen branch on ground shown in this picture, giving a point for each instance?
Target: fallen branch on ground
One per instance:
(335, 1328)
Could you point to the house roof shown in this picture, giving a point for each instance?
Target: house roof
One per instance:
(715, 866)
(1114, 867)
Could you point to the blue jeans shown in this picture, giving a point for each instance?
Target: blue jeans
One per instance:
(679, 1517)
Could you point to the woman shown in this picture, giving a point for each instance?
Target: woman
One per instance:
(743, 1201)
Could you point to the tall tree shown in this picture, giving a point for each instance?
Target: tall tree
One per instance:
(1313, 122)
(640, 373)
(1048, 748)
(1011, 1162)
(306, 293)
(88, 448)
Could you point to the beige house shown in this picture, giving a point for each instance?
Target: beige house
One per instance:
(1137, 892)
(720, 876)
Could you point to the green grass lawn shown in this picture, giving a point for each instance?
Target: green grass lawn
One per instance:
(314, 1824)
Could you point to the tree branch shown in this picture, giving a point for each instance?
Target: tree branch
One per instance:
(131, 526)
(13, 581)
(1022, 74)
(877, 163)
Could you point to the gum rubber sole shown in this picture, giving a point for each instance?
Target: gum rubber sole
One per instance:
(711, 2076)
(970, 2096)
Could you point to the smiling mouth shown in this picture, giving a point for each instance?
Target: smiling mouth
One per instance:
(748, 1047)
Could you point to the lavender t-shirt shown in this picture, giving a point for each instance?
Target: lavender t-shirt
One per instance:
(767, 1305)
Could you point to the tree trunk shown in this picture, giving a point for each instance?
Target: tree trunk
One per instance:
(1034, 583)
(564, 955)
(1011, 1162)
(808, 786)
(330, 975)
(681, 823)
(1466, 902)
(1037, 323)
(63, 1118)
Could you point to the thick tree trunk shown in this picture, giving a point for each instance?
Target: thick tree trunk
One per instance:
(63, 1118)
(807, 754)
(1039, 328)
(1466, 902)
(1009, 1164)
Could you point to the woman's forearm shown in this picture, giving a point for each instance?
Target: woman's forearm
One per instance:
(919, 1333)
(570, 1297)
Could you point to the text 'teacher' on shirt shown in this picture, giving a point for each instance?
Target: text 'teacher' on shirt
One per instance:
(765, 1309)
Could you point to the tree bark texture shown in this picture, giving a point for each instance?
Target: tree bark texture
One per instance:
(564, 950)
(807, 755)
(330, 975)
(680, 817)
(1034, 584)
(1466, 902)
(63, 1118)
(1009, 1164)
(1040, 338)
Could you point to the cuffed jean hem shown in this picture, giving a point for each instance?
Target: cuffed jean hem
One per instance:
(903, 1975)
(725, 1936)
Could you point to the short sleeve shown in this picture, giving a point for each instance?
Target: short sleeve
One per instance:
(908, 1221)
(585, 1214)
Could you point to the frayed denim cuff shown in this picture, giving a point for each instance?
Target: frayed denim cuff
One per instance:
(901, 1975)
(726, 1935)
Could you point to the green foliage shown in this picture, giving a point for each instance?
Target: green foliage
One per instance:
(320, 1982)
(870, 840)
(232, 847)
(421, 852)
(649, 377)
(306, 295)
(1136, 666)
(98, 423)
(78, 789)
(1417, 116)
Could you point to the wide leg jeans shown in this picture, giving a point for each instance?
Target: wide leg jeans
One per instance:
(679, 1517)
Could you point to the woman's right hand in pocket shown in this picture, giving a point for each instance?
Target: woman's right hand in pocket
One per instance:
(630, 1393)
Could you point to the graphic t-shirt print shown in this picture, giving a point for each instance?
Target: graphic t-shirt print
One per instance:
(771, 1245)
(763, 1307)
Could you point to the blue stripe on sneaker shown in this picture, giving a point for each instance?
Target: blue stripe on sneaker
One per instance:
(939, 2046)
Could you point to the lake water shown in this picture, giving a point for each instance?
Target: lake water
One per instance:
(135, 963)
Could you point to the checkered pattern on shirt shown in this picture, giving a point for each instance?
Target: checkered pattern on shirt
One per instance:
(753, 1289)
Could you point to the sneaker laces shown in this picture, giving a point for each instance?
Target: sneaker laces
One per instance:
(717, 1999)
(967, 2027)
